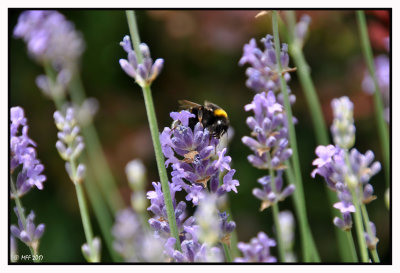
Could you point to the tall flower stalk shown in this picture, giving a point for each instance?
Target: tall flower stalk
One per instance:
(308, 246)
(137, 67)
(379, 111)
(23, 158)
(70, 145)
(55, 44)
(297, 34)
(348, 174)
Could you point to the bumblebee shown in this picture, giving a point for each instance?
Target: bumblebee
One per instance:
(210, 115)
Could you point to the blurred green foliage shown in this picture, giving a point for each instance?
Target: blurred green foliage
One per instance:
(201, 49)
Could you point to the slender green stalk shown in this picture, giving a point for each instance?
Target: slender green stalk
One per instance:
(87, 227)
(102, 214)
(21, 214)
(234, 238)
(299, 206)
(382, 126)
(275, 213)
(303, 73)
(374, 252)
(357, 214)
(101, 211)
(97, 160)
(310, 253)
(359, 228)
(352, 250)
(320, 128)
(151, 116)
(227, 252)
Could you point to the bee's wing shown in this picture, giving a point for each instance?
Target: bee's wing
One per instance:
(185, 104)
(211, 106)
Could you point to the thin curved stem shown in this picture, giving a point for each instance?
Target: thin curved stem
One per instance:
(151, 116)
(20, 210)
(310, 252)
(382, 126)
(317, 117)
(374, 252)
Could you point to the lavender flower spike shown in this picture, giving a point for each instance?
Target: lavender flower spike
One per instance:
(28, 234)
(263, 71)
(343, 129)
(70, 144)
(50, 38)
(196, 166)
(144, 73)
(23, 154)
(257, 250)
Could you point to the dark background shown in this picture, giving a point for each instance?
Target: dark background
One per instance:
(201, 49)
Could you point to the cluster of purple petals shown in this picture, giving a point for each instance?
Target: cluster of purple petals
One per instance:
(50, 37)
(23, 154)
(262, 75)
(270, 145)
(263, 71)
(159, 221)
(331, 165)
(268, 195)
(382, 72)
(269, 131)
(195, 160)
(29, 234)
(144, 73)
(192, 249)
(258, 250)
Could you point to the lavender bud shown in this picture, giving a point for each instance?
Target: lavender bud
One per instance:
(136, 173)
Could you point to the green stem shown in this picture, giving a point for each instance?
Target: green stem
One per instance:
(359, 228)
(320, 128)
(151, 116)
(374, 252)
(382, 126)
(303, 73)
(227, 253)
(87, 227)
(352, 250)
(21, 214)
(275, 213)
(310, 253)
(97, 159)
(102, 213)
(357, 214)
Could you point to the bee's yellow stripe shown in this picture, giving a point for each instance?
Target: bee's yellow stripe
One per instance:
(220, 113)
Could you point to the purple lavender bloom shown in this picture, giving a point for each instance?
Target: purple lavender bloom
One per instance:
(270, 146)
(192, 251)
(23, 154)
(70, 144)
(133, 242)
(257, 250)
(372, 240)
(194, 160)
(159, 222)
(144, 73)
(382, 70)
(301, 29)
(263, 73)
(343, 129)
(28, 233)
(331, 165)
(50, 38)
(267, 195)
(269, 131)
